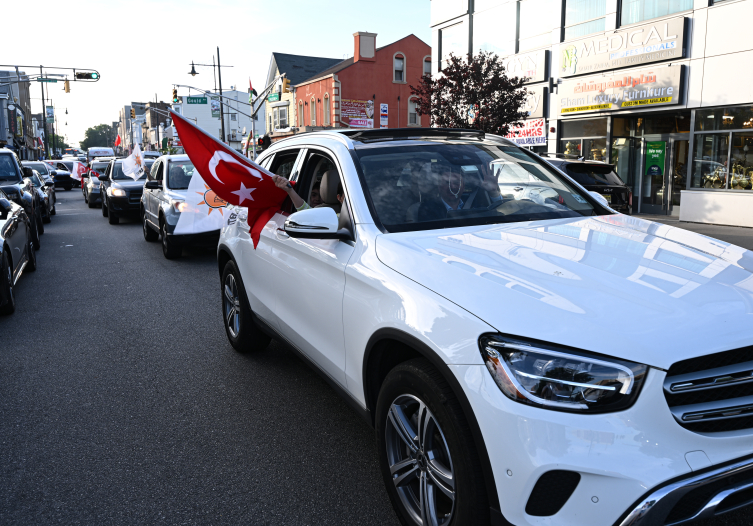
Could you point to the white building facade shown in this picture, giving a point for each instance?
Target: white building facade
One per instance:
(659, 89)
(204, 111)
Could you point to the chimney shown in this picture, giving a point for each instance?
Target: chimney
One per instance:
(365, 47)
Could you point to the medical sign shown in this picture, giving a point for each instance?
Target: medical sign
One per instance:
(531, 132)
(631, 89)
(384, 115)
(634, 46)
(357, 113)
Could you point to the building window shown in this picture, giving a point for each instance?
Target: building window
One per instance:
(427, 66)
(313, 112)
(276, 112)
(413, 118)
(584, 17)
(453, 39)
(537, 20)
(730, 118)
(300, 114)
(494, 29)
(271, 127)
(634, 11)
(399, 67)
(584, 138)
(710, 161)
(326, 110)
(233, 116)
(283, 117)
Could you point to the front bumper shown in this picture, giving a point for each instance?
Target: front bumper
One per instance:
(204, 239)
(125, 205)
(64, 181)
(94, 195)
(618, 456)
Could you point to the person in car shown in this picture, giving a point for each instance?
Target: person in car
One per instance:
(450, 189)
(315, 198)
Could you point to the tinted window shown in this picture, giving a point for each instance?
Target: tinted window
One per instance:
(36, 181)
(429, 185)
(39, 167)
(593, 174)
(68, 165)
(179, 174)
(8, 170)
(99, 167)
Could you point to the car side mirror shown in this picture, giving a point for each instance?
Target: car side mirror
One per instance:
(153, 185)
(104, 177)
(53, 173)
(28, 172)
(315, 223)
(600, 198)
(49, 183)
(5, 208)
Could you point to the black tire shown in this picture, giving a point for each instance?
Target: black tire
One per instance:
(169, 249)
(46, 218)
(86, 198)
(31, 266)
(40, 223)
(450, 448)
(35, 235)
(90, 203)
(68, 188)
(149, 233)
(6, 282)
(113, 218)
(104, 206)
(54, 209)
(240, 328)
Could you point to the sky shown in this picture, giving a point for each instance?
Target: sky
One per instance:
(142, 47)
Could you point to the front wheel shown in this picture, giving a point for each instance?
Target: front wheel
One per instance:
(40, 222)
(35, 235)
(104, 206)
(426, 451)
(240, 328)
(113, 218)
(149, 233)
(169, 249)
(31, 255)
(6, 282)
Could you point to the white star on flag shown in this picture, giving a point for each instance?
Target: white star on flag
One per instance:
(244, 193)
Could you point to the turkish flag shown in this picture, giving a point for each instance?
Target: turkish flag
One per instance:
(117, 141)
(234, 178)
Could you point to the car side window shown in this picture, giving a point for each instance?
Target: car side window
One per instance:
(284, 163)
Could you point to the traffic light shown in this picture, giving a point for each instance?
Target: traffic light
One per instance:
(67, 86)
(175, 95)
(133, 113)
(286, 85)
(87, 75)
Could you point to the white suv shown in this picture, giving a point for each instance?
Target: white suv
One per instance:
(523, 361)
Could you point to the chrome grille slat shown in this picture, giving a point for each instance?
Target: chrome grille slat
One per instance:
(716, 410)
(710, 379)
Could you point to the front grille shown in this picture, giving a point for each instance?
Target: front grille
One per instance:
(134, 196)
(695, 500)
(712, 393)
(551, 492)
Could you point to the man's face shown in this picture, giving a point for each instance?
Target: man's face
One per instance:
(450, 184)
(316, 199)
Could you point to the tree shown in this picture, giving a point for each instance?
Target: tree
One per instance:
(472, 93)
(102, 135)
(59, 142)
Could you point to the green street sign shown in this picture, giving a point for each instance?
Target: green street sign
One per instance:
(273, 97)
(46, 80)
(197, 100)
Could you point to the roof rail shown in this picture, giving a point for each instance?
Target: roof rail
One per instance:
(564, 156)
(410, 133)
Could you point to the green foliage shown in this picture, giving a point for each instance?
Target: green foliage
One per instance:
(59, 142)
(472, 93)
(101, 135)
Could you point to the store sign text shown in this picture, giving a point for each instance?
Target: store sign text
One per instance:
(531, 65)
(530, 133)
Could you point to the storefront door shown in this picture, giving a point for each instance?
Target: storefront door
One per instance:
(664, 173)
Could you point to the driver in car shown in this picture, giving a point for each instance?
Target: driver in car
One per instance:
(450, 188)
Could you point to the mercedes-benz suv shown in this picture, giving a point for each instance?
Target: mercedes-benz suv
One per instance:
(528, 357)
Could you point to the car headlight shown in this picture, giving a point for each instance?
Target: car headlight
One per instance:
(179, 206)
(118, 192)
(546, 376)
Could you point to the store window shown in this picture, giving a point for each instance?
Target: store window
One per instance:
(584, 138)
(584, 17)
(710, 161)
(494, 29)
(730, 118)
(537, 19)
(634, 11)
(741, 161)
(676, 122)
(326, 109)
(399, 68)
(453, 39)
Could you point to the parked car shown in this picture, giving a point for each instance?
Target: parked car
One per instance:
(47, 186)
(479, 340)
(601, 178)
(17, 252)
(46, 193)
(62, 174)
(17, 186)
(92, 195)
(164, 202)
(121, 194)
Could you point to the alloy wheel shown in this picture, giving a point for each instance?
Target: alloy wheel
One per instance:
(232, 305)
(420, 462)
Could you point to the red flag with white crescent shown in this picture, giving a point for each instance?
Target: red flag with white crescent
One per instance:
(234, 178)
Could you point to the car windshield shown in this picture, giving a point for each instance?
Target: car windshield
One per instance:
(39, 167)
(429, 185)
(593, 174)
(99, 167)
(179, 175)
(8, 170)
(118, 175)
(148, 163)
(66, 165)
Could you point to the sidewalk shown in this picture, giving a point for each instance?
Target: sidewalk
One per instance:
(736, 235)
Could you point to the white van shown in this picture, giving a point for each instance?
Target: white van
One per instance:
(99, 152)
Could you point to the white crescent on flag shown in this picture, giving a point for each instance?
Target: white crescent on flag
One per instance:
(218, 156)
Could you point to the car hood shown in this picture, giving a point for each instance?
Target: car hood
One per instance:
(128, 184)
(615, 285)
(61, 172)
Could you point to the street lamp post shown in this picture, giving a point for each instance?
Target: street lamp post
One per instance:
(217, 73)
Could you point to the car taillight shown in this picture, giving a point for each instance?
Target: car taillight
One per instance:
(630, 198)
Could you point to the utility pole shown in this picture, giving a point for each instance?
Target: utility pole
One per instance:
(222, 116)
(44, 115)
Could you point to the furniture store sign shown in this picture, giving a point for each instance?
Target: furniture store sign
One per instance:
(632, 89)
(664, 40)
(531, 132)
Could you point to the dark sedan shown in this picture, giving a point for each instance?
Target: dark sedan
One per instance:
(19, 189)
(121, 194)
(16, 250)
(62, 175)
(601, 178)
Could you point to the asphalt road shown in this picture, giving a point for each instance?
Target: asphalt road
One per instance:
(121, 401)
